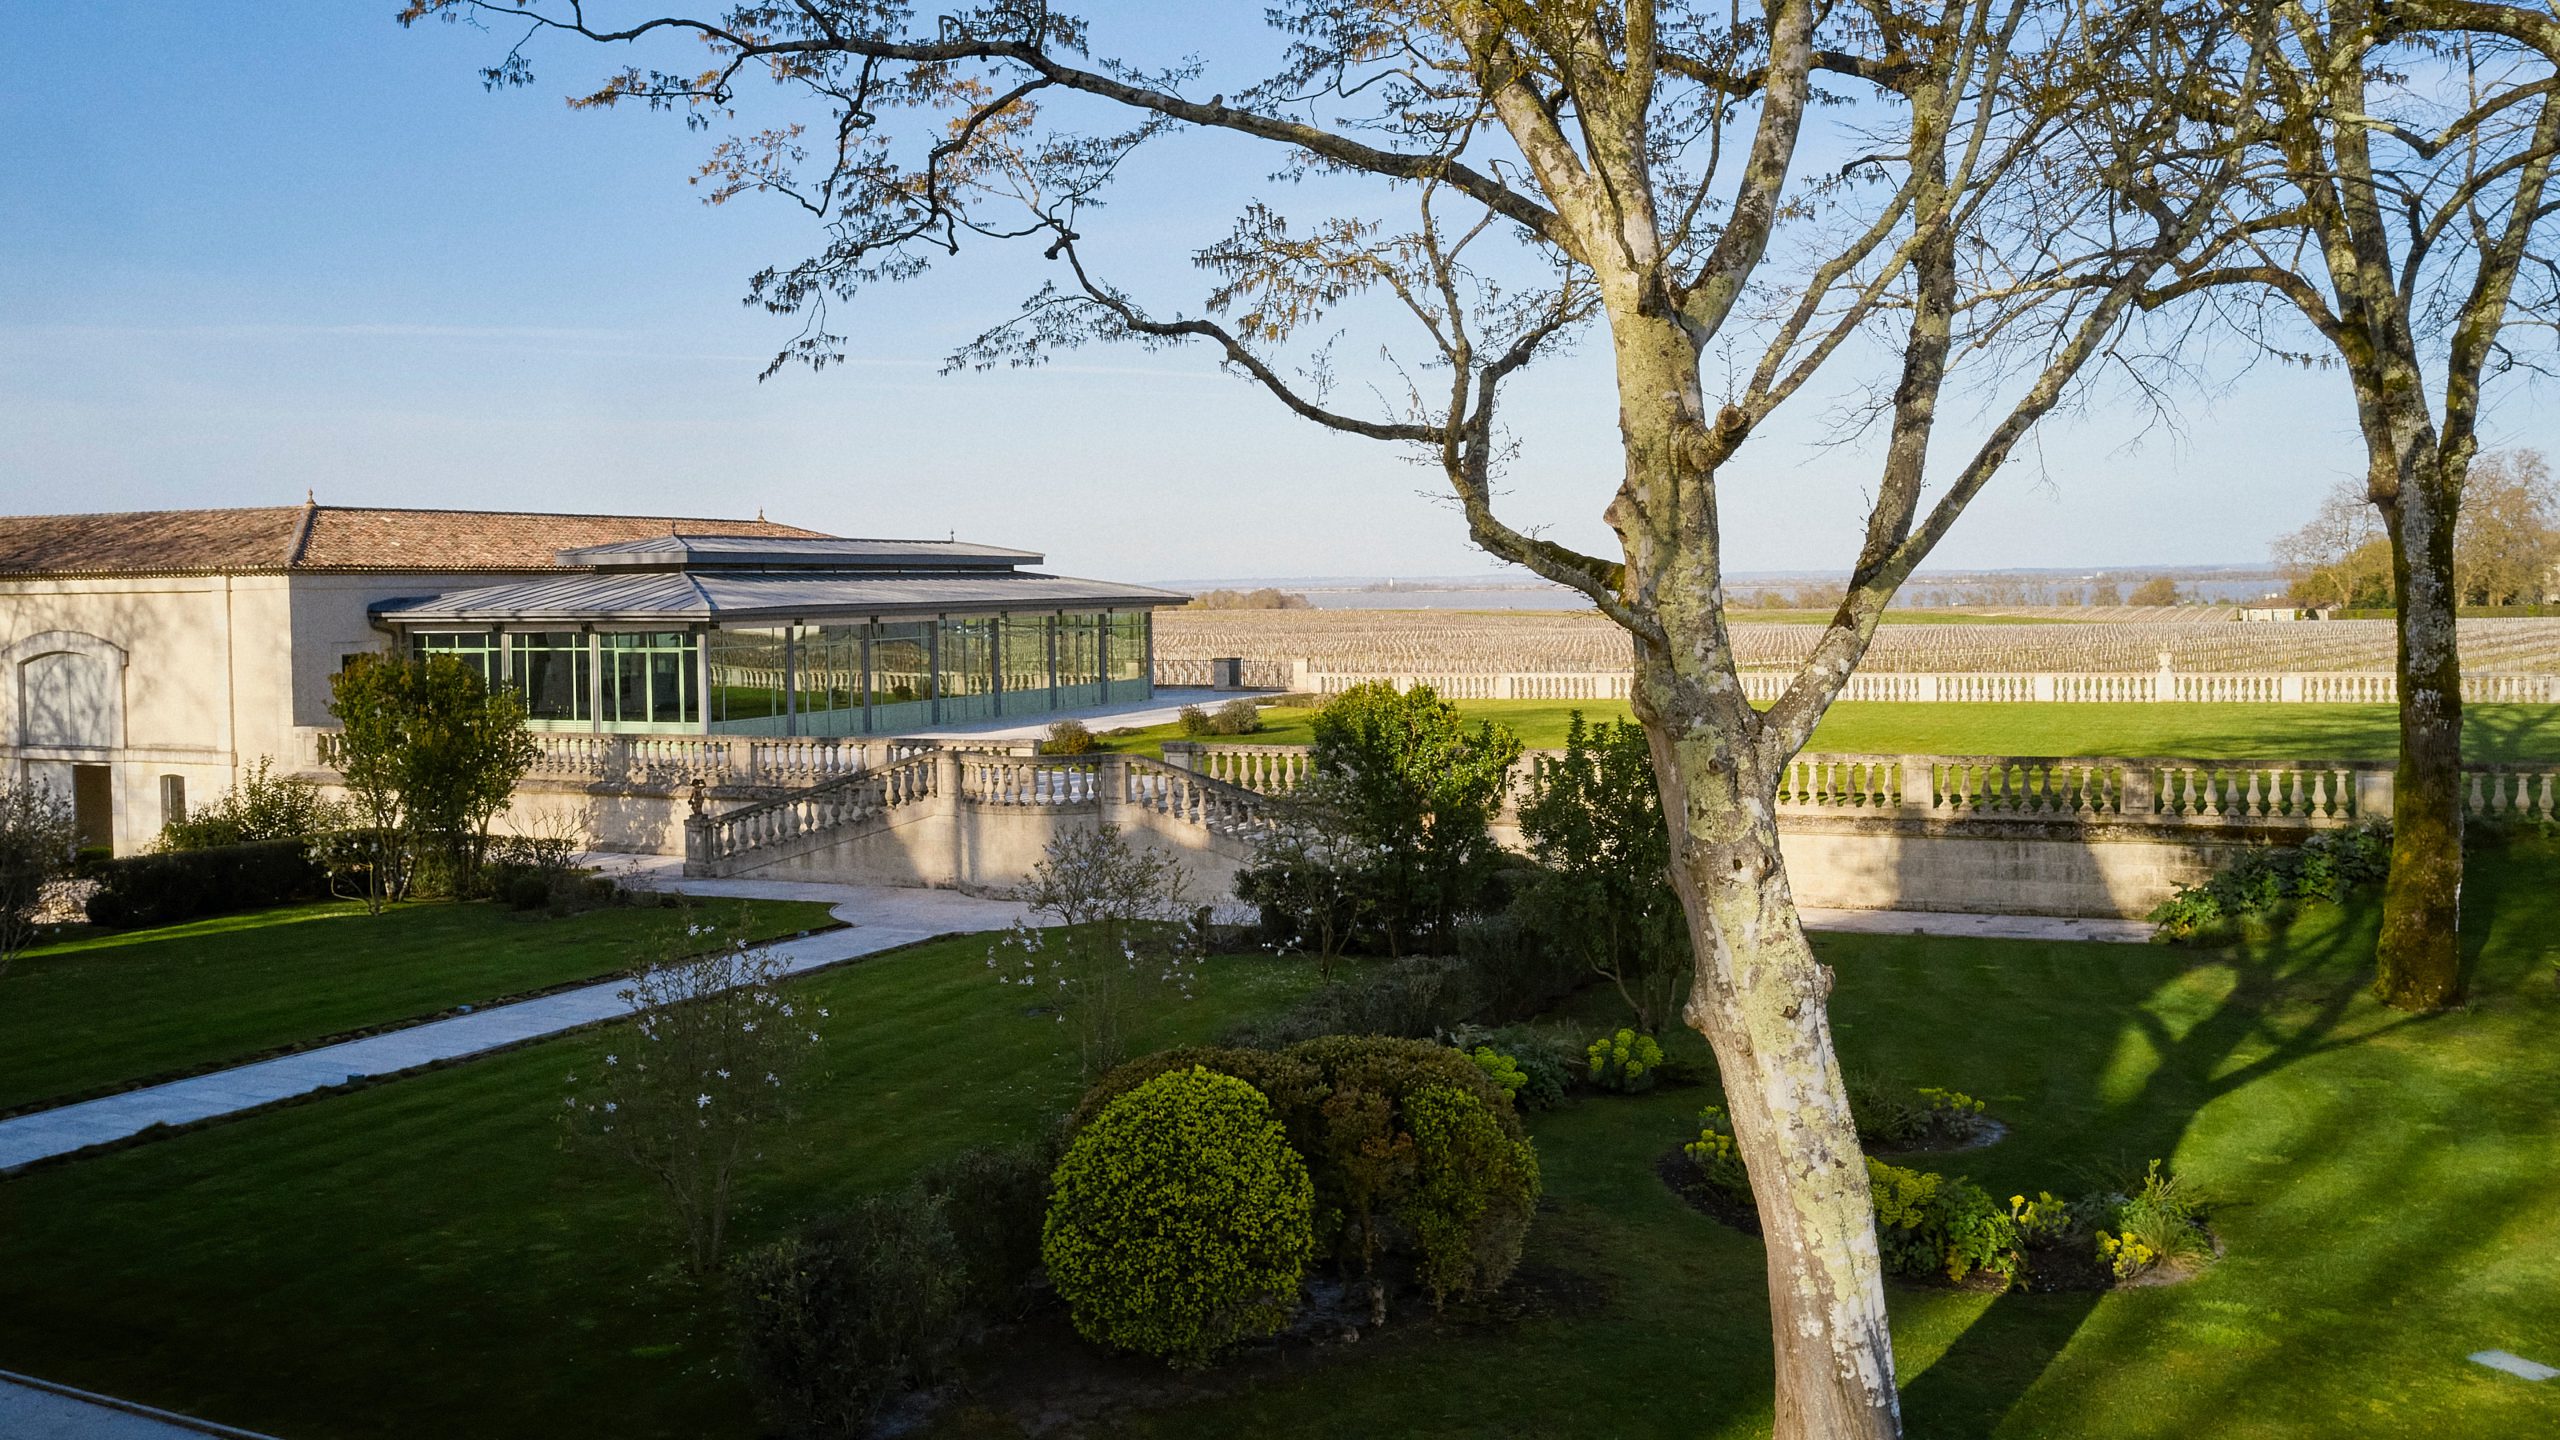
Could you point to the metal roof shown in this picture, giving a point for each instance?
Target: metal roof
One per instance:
(732, 552)
(721, 597)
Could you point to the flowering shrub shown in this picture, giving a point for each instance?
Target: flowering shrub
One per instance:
(1121, 911)
(1715, 1154)
(1891, 1118)
(706, 1065)
(1624, 1062)
(1501, 1069)
(1180, 1220)
(1934, 1224)
(2158, 1224)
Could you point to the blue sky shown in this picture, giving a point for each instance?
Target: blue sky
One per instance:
(249, 250)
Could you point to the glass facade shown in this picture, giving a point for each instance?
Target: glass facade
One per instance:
(555, 672)
(650, 681)
(475, 648)
(846, 678)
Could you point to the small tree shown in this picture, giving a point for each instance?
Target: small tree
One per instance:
(1313, 881)
(1419, 788)
(1594, 820)
(1121, 907)
(707, 1066)
(37, 842)
(430, 755)
(2158, 590)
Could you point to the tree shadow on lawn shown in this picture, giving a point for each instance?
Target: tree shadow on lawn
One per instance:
(2282, 1001)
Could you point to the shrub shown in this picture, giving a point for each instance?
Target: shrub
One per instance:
(836, 1323)
(1474, 1191)
(1890, 1117)
(36, 849)
(2158, 1224)
(1413, 998)
(1451, 1198)
(1716, 1155)
(1124, 929)
(1547, 1062)
(1501, 1069)
(1518, 968)
(1180, 1220)
(1929, 1225)
(263, 806)
(1422, 786)
(2265, 883)
(174, 885)
(1625, 1062)
(1593, 818)
(1236, 717)
(994, 1200)
(1193, 720)
(1069, 737)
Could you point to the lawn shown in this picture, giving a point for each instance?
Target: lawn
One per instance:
(422, 1258)
(108, 1009)
(2177, 730)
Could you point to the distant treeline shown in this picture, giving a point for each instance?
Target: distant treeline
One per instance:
(1265, 598)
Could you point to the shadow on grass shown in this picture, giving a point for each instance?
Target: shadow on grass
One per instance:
(2289, 998)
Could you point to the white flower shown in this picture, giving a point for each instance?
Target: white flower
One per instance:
(749, 1027)
(610, 1107)
(723, 1074)
(822, 1012)
(701, 1101)
(813, 1037)
(571, 1102)
(613, 1059)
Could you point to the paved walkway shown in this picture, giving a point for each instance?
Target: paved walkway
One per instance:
(32, 1409)
(880, 919)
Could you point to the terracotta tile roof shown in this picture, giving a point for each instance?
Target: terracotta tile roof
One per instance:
(273, 539)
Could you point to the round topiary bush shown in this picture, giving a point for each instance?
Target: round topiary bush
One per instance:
(1180, 1220)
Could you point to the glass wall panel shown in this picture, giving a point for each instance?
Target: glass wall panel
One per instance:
(829, 674)
(551, 669)
(748, 670)
(1127, 655)
(901, 678)
(1025, 654)
(475, 648)
(649, 682)
(968, 669)
(1079, 661)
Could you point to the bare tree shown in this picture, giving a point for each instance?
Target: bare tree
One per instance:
(1953, 200)
(2400, 159)
(2340, 556)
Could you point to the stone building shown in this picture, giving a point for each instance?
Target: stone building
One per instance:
(145, 658)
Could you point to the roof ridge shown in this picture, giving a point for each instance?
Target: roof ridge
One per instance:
(302, 535)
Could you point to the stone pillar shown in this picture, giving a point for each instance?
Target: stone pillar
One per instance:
(697, 833)
(2165, 685)
(2043, 687)
(1302, 678)
(2289, 688)
(2141, 792)
(1919, 784)
(953, 816)
(1111, 790)
(2373, 793)
(1182, 754)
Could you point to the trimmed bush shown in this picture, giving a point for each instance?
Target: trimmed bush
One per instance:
(1236, 717)
(1451, 1183)
(1069, 737)
(838, 1322)
(1474, 1191)
(165, 888)
(994, 1200)
(1625, 1063)
(1180, 1221)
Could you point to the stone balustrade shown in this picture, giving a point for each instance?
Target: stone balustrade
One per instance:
(1977, 687)
(659, 762)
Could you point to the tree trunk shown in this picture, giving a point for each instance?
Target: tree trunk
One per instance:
(1760, 1000)
(2419, 961)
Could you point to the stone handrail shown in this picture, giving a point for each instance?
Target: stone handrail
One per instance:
(2151, 791)
(669, 762)
(1032, 780)
(810, 812)
(1982, 687)
(1216, 805)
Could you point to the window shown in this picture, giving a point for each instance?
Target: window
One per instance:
(1079, 660)
(475, 648)
(749, 669)
(901, 676)
(1127, 656)
(968, 669)
(1025, 655)
(829, 679)
(551, 669)
(173, 799)
(649, 681)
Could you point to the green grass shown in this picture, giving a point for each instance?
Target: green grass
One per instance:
(423, 1259)
(2176, 730)
(111, 1008)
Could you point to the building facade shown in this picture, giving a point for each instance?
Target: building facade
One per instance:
(147, 658)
